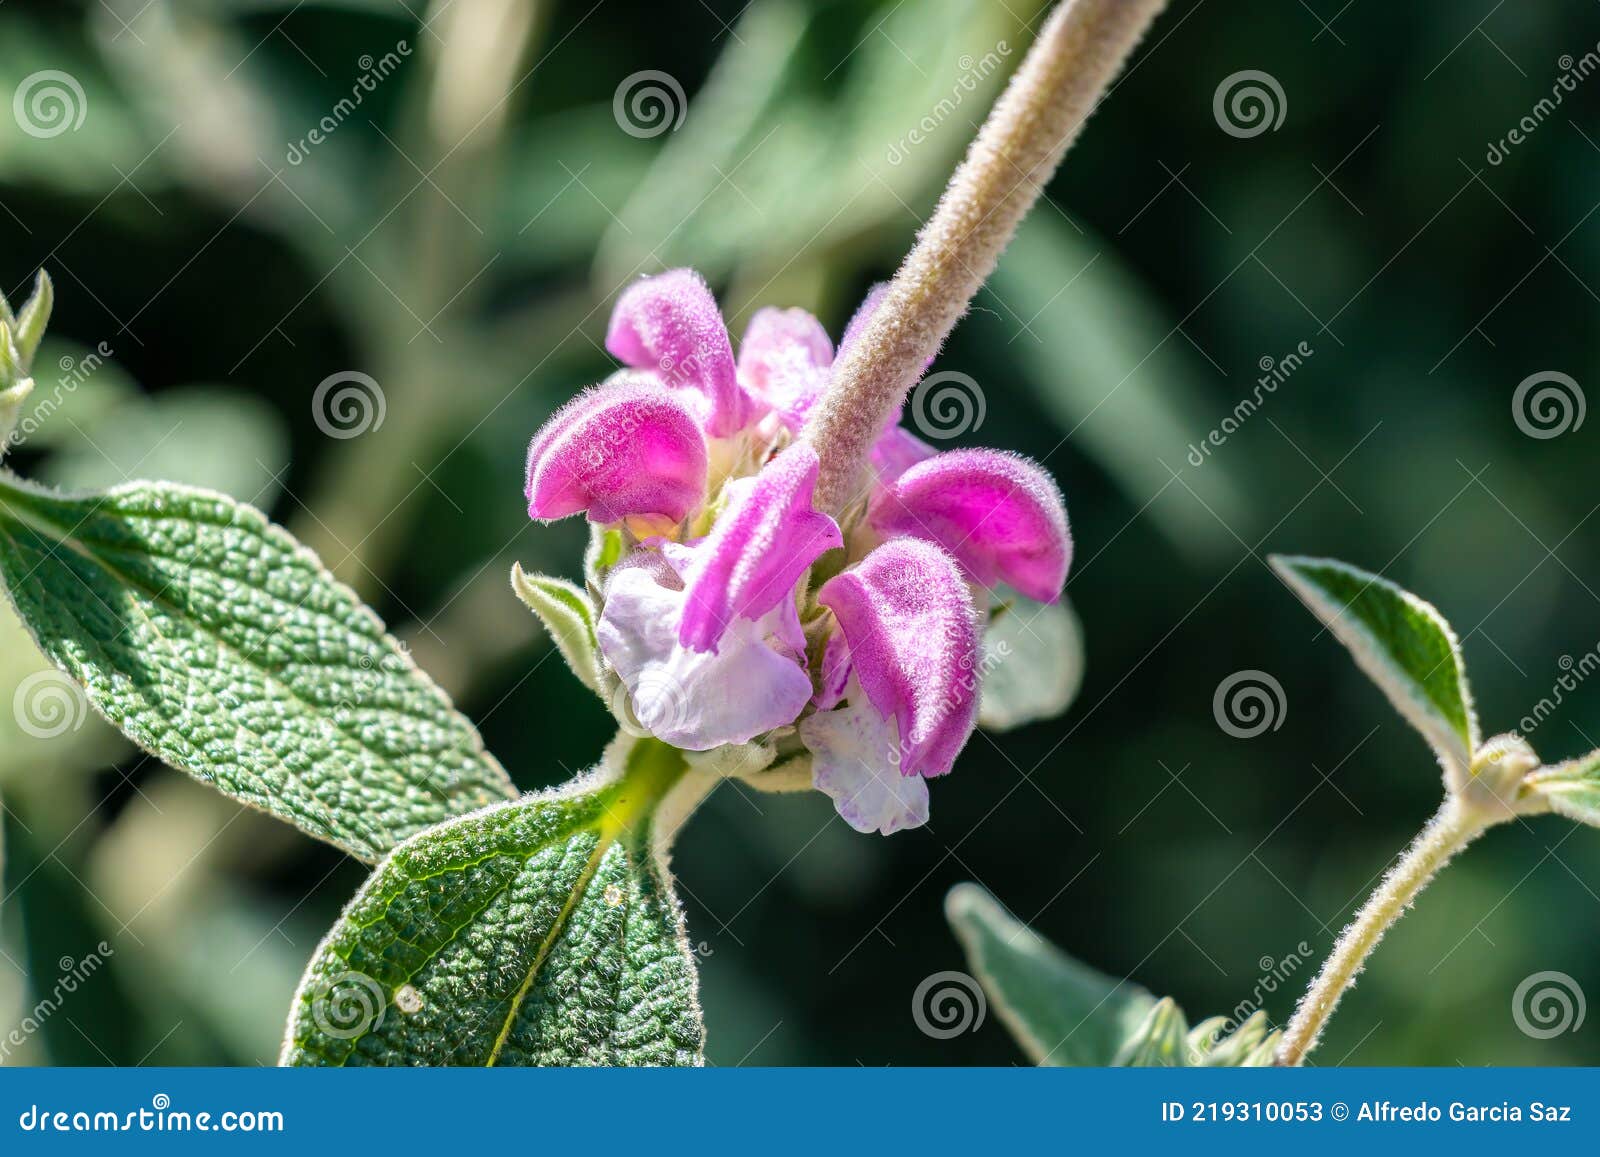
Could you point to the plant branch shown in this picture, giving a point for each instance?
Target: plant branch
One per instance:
(1080, 49)
(1451, 829)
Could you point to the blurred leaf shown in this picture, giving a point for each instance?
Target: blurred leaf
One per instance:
(1060, 1011)
(1065, 1013)
(219, 644)
(76, 130)
(207, 436)
(1573, 788)
(1402, 643)
(566, 892)
(1098, 352)
(1033, 663)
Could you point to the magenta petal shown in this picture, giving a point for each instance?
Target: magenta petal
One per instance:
(629, 447)
(670, 324)
(896, 451)
(760, 546)
(784, 360)
(907, 615)
(1000, 514)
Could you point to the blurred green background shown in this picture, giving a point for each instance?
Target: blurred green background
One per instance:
(458, 237)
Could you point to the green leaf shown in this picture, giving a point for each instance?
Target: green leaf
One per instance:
(219, 644)
(1065, 1013)
(1403, 644)
(1572, 788)
(1060, 1011)
(541, 932)
(33, 318)
(568, 615)
(1033, 663)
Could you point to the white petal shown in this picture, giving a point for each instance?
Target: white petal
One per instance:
(691, 699)
(854, 760)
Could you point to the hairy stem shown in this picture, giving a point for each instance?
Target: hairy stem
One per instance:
(1451, 829)
(1080, 49)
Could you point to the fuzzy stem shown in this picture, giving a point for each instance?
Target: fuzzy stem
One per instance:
(1080, 49)
(1452, 828)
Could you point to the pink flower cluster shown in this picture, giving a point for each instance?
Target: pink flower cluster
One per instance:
(739, 612)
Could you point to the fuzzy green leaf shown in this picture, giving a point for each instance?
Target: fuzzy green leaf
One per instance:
(1572, 788)
(568, 615)
(219, 644)
(1060, 1011)
(1402, 643)
(541, 932)
(33, 317)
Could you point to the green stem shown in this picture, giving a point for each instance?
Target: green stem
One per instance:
(1079, 50)
(1452, 828)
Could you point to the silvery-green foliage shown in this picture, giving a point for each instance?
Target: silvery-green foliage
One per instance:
(1032, 663)
(569, 615)
(216, 642)
(1062, 1012)
(540, 932)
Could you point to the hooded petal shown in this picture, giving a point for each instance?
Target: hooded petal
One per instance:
(908, 618)
(999, 514)
(670, 324)
(854, 760)
(758, 550)
(897, 451)
(784, 360)
(691, 699)
(629, 447)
